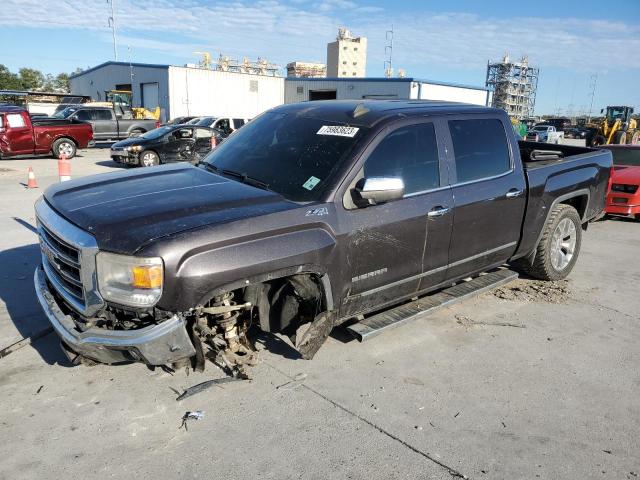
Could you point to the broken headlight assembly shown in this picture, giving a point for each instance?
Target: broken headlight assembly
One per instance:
(131, 281)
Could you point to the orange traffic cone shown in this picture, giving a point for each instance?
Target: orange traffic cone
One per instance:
(64, 168)
(31, 179)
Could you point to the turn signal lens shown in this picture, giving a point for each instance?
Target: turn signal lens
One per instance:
(147, 276)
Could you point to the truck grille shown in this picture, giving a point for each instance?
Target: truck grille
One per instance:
(62, 264)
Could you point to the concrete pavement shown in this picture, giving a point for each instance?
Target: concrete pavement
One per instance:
(491, 388)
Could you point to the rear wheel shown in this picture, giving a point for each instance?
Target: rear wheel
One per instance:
(64, 146)
(619, 138)
(559, 246)
(149, 158)
(635, 138)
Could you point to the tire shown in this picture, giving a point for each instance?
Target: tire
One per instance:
(556, 253)
(598, 140)
(619, 138)
(136, 132)
(148, 158)
(64, 145)
(635, 138)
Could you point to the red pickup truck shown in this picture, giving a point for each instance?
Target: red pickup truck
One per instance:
(22, 135)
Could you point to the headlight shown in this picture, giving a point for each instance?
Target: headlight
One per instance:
(132, 281)
(133, 148)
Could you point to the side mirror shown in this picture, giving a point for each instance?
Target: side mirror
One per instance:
(377, 190)
(602, 110)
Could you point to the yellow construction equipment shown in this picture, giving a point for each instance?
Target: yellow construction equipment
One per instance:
(120, 101)
(618, 127)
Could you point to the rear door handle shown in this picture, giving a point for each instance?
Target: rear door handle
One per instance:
(514, 192)
(438, 211)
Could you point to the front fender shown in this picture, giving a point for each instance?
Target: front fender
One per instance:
(202, 272)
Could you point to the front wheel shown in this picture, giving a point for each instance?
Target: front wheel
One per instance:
(598, 140)
(559, 245)
(64, 146)
(619, 138)
(149, 158)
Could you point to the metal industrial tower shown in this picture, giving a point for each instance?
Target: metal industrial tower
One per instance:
(514, 86)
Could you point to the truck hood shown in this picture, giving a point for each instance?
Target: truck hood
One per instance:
(125, 210)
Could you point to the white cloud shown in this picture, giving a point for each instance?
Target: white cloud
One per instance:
(297, 30)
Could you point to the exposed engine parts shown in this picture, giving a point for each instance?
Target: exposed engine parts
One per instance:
(222, 326)
(292, 306)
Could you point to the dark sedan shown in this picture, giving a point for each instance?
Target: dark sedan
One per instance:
(171, 143)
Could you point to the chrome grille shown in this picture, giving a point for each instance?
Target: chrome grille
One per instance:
(69, 260)
(63, 262)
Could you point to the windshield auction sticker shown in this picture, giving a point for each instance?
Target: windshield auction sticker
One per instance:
(338, 131)
(311, 183)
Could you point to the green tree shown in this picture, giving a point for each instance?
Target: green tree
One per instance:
(31, 79)
(9, 80)
(61, 82)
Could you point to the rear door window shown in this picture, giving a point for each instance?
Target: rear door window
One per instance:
(237, 123)
(410, 153)
(203, 133)
(101, 115)
(480, 147)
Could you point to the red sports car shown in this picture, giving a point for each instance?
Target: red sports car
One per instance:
(624, 196)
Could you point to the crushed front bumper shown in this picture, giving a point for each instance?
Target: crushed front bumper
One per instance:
(124, 157)
(160, 344)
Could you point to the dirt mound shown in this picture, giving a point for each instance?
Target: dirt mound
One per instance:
(534, 291)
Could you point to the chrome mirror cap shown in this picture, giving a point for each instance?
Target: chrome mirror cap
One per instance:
(381, 189)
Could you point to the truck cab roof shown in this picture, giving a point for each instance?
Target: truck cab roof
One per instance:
(367, 113)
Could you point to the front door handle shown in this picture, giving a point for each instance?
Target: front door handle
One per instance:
(514, 192)
(438, 211)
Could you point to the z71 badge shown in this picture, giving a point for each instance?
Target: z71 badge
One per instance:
(319, 212)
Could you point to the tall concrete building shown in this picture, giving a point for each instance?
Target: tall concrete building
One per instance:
(347, 56)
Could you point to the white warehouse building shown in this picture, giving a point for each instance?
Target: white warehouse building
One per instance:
(183, 91)
(193, 91)
(304, 89)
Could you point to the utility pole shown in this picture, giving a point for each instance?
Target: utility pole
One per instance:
(130, 68)
(388, 51)
(592, 84)
(112, 24)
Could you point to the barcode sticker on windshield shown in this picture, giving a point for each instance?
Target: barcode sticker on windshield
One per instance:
(338, 131)
(311, 183)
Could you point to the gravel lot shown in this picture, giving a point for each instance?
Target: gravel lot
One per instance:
(530, 381)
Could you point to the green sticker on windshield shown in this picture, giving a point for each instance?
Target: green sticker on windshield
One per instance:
(311, 183)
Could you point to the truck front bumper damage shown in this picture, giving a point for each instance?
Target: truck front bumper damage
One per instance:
(160, 344)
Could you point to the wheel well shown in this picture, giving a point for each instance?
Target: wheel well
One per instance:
(578, 202)
(284, 303)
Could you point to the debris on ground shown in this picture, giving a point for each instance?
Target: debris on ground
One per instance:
(39, 389)
(293, 384)
(534, 291)
(195, 415)
(467, 322)
(204, 385)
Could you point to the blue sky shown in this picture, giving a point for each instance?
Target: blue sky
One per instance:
(570, 41)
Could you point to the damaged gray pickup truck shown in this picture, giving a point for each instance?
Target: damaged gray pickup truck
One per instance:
(310, 216)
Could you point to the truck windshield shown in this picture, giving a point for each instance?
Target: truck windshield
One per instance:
(295, 156)
(541, 128)
(157, 133)
(66, 112)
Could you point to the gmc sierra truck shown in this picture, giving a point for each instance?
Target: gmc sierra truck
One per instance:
(310, 216)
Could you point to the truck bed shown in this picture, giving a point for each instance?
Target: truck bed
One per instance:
(555, 171)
